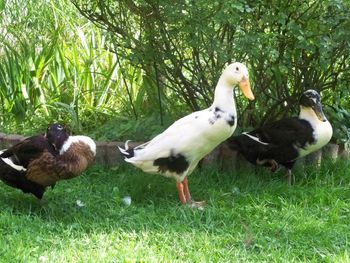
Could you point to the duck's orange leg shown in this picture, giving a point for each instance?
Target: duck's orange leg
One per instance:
(185, 196)
(180, 189)
(186, 190)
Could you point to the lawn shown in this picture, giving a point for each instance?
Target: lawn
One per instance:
(250, 216)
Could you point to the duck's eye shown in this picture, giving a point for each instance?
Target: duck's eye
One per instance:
(237, 68)
(59, 127)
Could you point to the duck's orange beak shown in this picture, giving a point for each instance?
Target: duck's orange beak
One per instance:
(244, 85)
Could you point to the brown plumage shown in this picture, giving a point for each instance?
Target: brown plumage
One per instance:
(15, 161)
(48, 169)
(29, 149)
(41, 161)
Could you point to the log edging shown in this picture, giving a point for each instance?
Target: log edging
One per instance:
(107, 153)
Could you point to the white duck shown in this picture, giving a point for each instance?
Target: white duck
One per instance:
(176, 152)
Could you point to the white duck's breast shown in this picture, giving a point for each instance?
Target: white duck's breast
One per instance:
(322, 134)
(223, 123)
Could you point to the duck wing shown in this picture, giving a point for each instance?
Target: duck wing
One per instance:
(285, 132)
(27, 150)
(14, 175)
(277, 140)
(283, 139)
(16, 179)
(49, 168)
(192, 135)
(182, 145)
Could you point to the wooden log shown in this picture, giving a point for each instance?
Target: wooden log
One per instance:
(330, 151)
(314, 158)
(211, 159)
(344, 151)
(228, 158)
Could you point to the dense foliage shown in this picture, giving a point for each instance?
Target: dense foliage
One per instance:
(55, 66)
(289, 45)
(164, 55)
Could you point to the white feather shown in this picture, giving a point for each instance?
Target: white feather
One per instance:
(79, 138)
(192, 136)
(196, 134)
(9, 162)
(123, 151)
(126, 148)
(254, 138)
(322, 131)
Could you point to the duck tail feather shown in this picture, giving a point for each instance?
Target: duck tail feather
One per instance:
(257, 139)
(127, 152)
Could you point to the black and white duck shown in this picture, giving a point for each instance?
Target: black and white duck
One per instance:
(42, 160)
(74, 156)
(14, 161)
(176, 152)
(286, 140)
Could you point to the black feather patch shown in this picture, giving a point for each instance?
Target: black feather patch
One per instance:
(17, 179)
(57, 135)
(174, 163)
(279, 141)
(29, 149)
(231, 120)
(217, 109)
(129, 153)
(217, 115)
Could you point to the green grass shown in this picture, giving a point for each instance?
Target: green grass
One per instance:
(250, 217)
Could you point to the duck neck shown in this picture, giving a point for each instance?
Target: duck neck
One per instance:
(223, 96)
(308, 114)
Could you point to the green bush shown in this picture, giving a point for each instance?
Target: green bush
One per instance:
(288, 46)
(161, 60)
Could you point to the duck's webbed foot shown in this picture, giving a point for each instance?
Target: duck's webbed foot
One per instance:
(185, 196)
(270, 163)
(197, 204)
